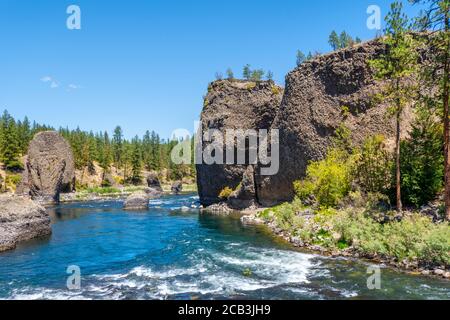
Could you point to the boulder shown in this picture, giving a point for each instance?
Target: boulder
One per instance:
(177, 187)
(137, 201)
(236, 105)
(153, 193)
(153, 182)
(245, 195)
(49, 168)
(21, 219)
(108, 180)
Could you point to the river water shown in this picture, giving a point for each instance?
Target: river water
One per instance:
(174, 252)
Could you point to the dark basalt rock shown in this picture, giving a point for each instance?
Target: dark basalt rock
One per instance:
(177, 187)
(153, 182)
(320, 95)
(233, 105)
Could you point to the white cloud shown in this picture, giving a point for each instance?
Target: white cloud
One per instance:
(73, 86)
(46, 79)
(54, 85)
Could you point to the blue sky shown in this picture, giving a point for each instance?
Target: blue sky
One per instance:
(146, 64)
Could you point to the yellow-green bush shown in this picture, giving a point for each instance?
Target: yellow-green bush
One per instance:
(225, 193)
(12, 180)
(327, 180)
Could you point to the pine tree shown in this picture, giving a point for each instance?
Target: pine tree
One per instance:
(136, 162)
(436, 18)
(300, 58)
(247, 73)
(230, 74)
(257, 75)
(398, 63)
(334, 40)
(10, 147)
(117, 146)
(269, 75)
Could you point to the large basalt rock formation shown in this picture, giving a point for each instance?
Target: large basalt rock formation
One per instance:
(233, 105)
(21, 219)
(320, 95)
(49, 168)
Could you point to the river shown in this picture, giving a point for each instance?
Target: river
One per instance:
(174, 252)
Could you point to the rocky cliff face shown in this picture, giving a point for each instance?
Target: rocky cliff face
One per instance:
(233, 105)
(49, 168)
(21, 219)
(320, 95)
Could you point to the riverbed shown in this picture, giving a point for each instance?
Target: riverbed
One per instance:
(173, 251)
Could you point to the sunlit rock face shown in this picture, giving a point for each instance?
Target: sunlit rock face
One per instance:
(238, 105)
(49, 168)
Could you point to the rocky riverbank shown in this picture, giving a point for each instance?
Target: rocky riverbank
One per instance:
(407, 266)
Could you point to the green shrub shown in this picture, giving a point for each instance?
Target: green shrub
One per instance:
(12, 181)
(414, 238)
(328, 180)
(422, 162)
(102, 191)
(373, 165)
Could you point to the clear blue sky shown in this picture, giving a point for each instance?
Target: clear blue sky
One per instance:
(146, 64)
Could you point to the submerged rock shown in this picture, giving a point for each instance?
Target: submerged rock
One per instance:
(49, 168)
(137, 201)
(21, 219)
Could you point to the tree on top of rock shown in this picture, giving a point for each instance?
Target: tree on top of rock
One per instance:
(247, 73)
(334, 40)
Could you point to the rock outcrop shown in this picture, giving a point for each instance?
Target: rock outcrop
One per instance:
(177, 187)
(21, 219)
(137, 201)
(239, 105)
(245, 195)
(320, 95)
(49, 168)
(153, 193)
(153, 182)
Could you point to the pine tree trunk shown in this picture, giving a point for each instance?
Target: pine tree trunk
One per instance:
(397, 166)
(446, 119)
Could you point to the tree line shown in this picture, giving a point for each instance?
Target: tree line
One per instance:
(148, 152)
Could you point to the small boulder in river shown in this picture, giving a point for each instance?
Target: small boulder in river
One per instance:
(49, 168)
(21, 219)
(153, 182)
(177, 187)
(153, 193)
(137, 201)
